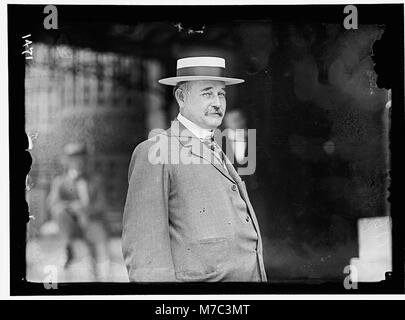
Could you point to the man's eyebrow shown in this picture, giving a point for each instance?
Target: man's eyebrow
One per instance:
(210, 88)
(206, 89)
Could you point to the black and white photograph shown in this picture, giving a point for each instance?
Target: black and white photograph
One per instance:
(206, 149)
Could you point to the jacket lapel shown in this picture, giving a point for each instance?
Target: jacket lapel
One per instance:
(196, 147)
(232, 170)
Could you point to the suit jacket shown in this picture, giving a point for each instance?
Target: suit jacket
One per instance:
(186, 218)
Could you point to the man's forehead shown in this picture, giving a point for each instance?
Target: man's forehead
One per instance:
(205, 84)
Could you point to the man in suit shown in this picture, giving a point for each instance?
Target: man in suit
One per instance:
(188, 216)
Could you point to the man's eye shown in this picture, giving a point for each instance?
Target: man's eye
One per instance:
(207, 94)
(223, 94)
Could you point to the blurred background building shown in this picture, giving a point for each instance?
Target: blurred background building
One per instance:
(322, 128)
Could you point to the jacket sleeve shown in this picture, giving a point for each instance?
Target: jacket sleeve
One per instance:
(145, 239)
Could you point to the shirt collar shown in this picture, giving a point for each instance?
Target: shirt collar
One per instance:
(194, 128)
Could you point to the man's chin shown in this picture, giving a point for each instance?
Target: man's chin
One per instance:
(213, 122)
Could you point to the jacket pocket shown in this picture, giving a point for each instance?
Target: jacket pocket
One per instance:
(205, 260)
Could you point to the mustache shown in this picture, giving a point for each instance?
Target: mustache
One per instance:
(218, 111)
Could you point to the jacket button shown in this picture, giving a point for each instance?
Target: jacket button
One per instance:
(247, 218)
(234, 187)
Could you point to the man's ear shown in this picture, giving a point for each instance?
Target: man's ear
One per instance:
(179, 94)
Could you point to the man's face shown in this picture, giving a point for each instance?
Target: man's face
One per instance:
(204, 103)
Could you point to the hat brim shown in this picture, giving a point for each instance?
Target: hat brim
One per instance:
(175, 80)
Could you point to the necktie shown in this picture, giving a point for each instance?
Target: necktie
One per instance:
(216, 149)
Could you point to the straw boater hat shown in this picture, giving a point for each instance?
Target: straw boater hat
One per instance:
(200, 68)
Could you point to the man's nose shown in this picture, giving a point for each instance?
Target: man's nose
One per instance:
(217, 101)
